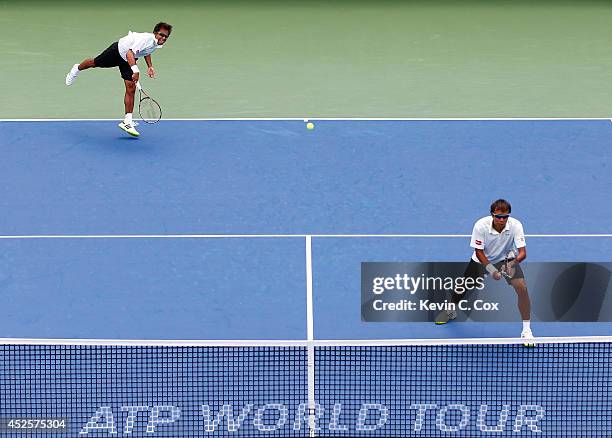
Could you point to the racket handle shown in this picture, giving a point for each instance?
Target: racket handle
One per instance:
(138, 86)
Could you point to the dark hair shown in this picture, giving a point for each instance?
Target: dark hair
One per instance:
(501, 204)
(163, 25)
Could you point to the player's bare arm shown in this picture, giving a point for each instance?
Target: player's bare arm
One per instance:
(131, 60)
(482, 258)
(522, 255)
(150, 69)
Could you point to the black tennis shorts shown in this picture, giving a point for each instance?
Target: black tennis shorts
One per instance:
(111, 58)
(475, 270)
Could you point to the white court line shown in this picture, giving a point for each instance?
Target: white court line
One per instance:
(310, 337)
(272, 236)
(314, 118)
(309, 301)
(298, 343)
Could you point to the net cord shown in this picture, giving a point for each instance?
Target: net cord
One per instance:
(300, 343)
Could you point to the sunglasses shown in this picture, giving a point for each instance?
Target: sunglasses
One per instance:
(163, 35)
(501, 216)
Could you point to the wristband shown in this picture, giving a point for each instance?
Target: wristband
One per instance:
(135, 69)
(491, 269)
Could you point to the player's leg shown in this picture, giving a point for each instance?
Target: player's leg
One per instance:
(87, 63)
(524, 305)
(473, 270)
(108, 58)
(130, 90)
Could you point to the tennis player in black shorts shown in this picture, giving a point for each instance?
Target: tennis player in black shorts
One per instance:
(499, 248)
(124, 54)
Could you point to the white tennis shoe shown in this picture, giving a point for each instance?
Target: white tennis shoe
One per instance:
(129, 128)
(72, 74)
(527, 336)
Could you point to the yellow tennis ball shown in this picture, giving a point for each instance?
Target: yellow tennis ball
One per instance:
(310, 125)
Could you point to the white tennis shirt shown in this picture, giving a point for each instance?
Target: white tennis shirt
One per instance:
(497, 245)
(142, 44)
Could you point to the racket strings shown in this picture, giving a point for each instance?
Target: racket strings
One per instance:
(150, 111)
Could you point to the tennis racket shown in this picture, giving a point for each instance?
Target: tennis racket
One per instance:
(506, 270)
(149, 109)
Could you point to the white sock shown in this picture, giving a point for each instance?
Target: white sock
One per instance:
(128, 119)
(75, 70)
(526, 325)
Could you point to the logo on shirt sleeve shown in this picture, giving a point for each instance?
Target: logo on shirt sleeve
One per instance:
(478, 242)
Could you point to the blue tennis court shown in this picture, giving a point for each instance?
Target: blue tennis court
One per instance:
(255, 178)
(226, 230)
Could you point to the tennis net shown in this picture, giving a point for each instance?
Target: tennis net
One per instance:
(398, 388)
